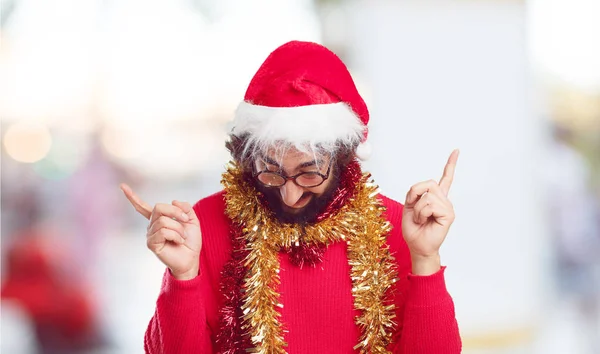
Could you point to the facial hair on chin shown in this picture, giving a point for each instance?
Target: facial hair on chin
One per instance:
(307, 214)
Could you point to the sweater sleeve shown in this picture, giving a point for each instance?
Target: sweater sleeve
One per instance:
(429, 320)
(186, 315)
(179, 323)
(426, 320)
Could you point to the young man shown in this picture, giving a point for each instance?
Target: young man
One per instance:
(300, 253)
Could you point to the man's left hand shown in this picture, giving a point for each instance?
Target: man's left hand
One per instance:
(426, 219)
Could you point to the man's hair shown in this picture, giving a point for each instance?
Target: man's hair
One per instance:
(244, 154)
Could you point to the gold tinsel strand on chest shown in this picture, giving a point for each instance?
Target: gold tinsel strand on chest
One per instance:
(360, 223)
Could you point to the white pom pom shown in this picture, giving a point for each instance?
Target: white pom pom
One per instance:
(364, 150)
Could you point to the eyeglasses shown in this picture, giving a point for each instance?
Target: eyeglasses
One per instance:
(304, 179)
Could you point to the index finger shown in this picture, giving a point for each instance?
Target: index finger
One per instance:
(139, 205)
(448, 176)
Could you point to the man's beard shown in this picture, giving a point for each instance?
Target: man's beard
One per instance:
(305, 215)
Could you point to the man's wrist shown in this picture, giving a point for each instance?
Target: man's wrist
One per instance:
(187, 275)
(425, 265)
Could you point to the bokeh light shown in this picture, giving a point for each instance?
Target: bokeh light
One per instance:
(66, 156)
(27, 142)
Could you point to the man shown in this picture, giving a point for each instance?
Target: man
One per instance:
(300, 253)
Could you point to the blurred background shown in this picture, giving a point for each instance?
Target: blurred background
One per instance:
(98, 92)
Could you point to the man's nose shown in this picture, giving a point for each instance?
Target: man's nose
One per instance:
(290, 193)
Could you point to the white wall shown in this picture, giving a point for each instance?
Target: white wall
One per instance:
(454, 74)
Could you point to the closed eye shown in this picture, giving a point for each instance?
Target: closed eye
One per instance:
(311, 175)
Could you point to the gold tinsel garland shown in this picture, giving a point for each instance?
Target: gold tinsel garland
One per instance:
(360, 223)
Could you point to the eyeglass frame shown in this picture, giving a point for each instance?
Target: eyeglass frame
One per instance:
(293, 178)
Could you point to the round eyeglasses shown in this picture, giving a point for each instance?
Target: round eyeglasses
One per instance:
(304, 179)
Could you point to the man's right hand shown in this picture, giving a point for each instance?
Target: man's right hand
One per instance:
(173, 234)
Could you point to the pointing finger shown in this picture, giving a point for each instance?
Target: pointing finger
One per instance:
(448, 176)
(140, 206)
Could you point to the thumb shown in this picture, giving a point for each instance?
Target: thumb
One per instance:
(188, 209)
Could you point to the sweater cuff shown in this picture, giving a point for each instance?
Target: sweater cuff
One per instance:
(180, 292)
(428, 290)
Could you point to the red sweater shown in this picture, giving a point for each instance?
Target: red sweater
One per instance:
(318, 309)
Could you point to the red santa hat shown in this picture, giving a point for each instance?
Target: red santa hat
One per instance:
(303, 96)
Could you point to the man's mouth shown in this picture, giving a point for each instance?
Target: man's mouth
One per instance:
(301, 203)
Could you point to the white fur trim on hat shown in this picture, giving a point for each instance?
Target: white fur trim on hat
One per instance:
(321, 125)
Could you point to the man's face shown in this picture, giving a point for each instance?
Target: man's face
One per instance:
(292, 203)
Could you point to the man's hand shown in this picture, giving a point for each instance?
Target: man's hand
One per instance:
(426, 219)
(173, 234)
